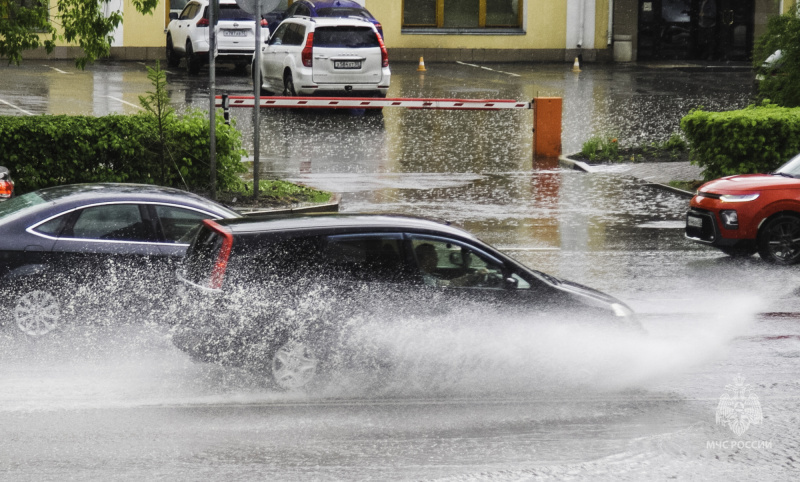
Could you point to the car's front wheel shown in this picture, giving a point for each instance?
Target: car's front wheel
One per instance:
(37, 312)
(288, 85)
(294, 365)
(779, 240)
(173, 59)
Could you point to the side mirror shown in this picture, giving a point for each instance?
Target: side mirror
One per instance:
(173, 15)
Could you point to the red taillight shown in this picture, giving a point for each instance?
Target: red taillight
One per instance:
(384, 53)
(6, 189)
(218, 273)
(264, 22)
(306, 54)
(203, 22)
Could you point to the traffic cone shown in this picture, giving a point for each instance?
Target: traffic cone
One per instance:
(576, 66)
(421, 67)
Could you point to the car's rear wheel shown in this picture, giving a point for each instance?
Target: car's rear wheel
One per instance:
(37, 312)
(173, 59)
(294, 365)
(779, 240)
(288, 85)
(192, 62)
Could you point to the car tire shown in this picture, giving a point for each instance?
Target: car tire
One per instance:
(739, 252)
(294, 365)
(779, 240)
(173, 59)
(192, 62)
(288, 85)
(37, 312)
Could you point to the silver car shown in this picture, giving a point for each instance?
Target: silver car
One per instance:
(307, 56)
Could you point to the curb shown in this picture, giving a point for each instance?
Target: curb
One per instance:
(568, 163)
(331, 206)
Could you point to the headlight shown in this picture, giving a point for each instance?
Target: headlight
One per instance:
(621, 310)
(738, 198)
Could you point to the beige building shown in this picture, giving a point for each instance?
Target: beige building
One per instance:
(520, 30)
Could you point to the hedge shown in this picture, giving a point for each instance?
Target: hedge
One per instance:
(46, 150)
(752, 140)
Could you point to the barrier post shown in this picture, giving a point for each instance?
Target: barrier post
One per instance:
(547, 126)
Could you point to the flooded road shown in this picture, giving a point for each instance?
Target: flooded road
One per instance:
(520, 401)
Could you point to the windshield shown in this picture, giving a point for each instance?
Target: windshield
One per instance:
(17, 204)
(791, 168)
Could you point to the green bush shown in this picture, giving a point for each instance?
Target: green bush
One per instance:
(46, 150)
(751, 140)
(780, 78)
(601, 148)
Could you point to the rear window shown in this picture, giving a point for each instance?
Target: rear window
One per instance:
(230, 12)
(202, 256)
(352, 37)
(343, 12)
(17, 204)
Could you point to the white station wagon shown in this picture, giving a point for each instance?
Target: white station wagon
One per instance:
(307, 56)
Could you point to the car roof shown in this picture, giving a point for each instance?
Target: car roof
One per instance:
(334, 3)
(332, 21)
(344, 221)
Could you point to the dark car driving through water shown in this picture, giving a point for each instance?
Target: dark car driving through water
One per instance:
(70, 252)
(279, 294)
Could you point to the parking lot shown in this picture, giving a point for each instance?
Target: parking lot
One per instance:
(537, 401)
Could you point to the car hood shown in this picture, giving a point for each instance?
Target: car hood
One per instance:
(750, 183)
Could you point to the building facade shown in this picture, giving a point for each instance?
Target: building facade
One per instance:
(518, 30)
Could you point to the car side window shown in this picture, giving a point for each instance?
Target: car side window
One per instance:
(277, 37)
(54, 226)
(188, 12)
(176, 222)
(365, 257)
(294, 35)
(442, 262)
(302, 11)
(118, 222)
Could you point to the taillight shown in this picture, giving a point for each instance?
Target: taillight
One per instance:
(306, 54)
(6, 189)
(264, 22)
(203, 22)
(221, 264)
(384, 53)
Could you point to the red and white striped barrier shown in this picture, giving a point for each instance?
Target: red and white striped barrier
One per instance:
(373, 103)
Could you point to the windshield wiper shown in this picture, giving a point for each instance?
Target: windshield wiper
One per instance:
(782, 174)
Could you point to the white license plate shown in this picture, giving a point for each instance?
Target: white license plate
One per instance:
(346, 64)
(234, 33)
(694, 222)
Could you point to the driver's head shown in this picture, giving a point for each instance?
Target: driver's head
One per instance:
(426, 257)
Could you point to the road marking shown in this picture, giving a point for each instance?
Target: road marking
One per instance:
(58, 70)
(124, 102)
(15, 107)
(487, 68)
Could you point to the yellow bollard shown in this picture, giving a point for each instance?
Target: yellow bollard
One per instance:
(421, 67)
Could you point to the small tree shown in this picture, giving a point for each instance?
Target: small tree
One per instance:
(28, 24)
(157, 103)
(781, 80)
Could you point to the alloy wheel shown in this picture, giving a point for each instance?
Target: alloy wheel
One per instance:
(37, 313)
(294, 365)
(780, 240)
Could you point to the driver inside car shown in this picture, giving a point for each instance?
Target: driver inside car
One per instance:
(428, 262)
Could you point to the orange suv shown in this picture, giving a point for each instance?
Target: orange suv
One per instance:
(750, 213)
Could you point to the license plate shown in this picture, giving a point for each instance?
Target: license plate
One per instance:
(694, 222)
(234, 33)
(346, 64)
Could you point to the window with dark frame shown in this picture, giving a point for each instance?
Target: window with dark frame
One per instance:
(462, 14)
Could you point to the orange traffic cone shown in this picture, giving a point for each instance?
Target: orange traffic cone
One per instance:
(576, 66)
(421, 67)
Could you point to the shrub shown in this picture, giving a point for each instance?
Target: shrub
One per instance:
(46, 150)
(751, 140)
(601, 148)
(782, 77)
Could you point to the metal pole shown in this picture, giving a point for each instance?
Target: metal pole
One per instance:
(212, 91)
(257, 102)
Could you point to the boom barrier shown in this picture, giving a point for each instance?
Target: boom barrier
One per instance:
(371, 103)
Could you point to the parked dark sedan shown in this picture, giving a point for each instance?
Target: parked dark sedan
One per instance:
(78, 251)
(275, 294)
